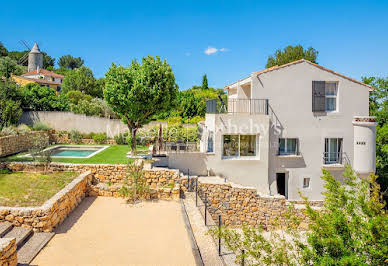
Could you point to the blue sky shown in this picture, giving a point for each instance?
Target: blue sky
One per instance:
(351, 36)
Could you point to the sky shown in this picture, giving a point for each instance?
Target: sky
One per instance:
(227, 40)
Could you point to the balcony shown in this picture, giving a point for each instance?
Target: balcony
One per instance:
(237, 106)
(335, 159)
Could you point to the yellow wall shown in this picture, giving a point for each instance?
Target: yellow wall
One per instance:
(23, 82)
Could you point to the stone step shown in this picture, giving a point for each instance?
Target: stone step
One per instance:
(5, 227)
(33, 246)
(20, 233)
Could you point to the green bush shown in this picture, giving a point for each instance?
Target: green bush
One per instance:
(9, 131)
(23, 129)
(39, 126)
(75, 136)
(76, 96)
(99, 138)
(121, 139)
(194, 120)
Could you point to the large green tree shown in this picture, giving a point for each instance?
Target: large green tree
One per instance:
(81, 79)
(290, 54)
(3, 50)
(140, 91)
(8, 66)
(70, 62)
(378, 106)
(10, 103)
(42, 98)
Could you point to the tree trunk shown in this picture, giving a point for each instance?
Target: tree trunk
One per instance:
(133, 143)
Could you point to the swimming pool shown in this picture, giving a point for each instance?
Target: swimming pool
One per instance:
(81, 151)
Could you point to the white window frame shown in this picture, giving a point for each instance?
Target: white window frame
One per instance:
(332, 97)
(328, 152)
(309, 186)
(239, 155)
(285, 147)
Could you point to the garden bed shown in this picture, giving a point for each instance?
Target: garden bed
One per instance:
(20, 189)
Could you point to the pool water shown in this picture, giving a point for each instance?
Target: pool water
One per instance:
(74, 151)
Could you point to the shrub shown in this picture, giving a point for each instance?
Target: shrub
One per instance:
(9, 131)
(99, 138)
(42, 98)
(194, 120)
(76, 96)
(39, 152)
(23, 129)
(39, 126)
(135, 186)
(10, 103)
(75, 136)
(121, 139)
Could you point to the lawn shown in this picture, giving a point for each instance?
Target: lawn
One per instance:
(22, 189)
(115, 154)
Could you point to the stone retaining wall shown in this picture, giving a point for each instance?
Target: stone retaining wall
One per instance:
(8, 253)
(20, 143)
(239, 205)
(53, 211)
(64, 138)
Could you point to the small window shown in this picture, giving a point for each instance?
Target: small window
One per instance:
(331, 96)
(239, 145)
(210, 142)
(288, 146)
(333, 151)
(306, 182)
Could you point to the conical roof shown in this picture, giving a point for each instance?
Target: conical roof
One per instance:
(35, 49)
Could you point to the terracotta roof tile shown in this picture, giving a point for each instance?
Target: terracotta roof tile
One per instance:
(44, 72)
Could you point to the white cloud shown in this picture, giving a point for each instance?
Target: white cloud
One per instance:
(211, 50)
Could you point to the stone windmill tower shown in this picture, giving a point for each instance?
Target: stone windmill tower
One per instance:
(35, 59)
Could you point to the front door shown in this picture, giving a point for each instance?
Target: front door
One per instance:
(281, 183)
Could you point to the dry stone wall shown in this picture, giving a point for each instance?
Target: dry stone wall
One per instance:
(8, 253)
(20, 143)
(242, 206)
(53, 211)
(64, 138)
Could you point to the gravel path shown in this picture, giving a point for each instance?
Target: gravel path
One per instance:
(107, 231)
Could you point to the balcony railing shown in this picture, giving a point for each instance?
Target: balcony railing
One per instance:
(243, 106)
(335, 158)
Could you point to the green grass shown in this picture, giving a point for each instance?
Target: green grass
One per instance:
(115, 154)
(20, 189)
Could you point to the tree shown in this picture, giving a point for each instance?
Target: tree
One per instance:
(10, 103)
(204, 83)
(9, 66)
(290, 54)
(48, 61)
(81, 79)
(351, 229)
(378, 106)
(70, 62)
(3, 50)
(138, 92)
(42, 98)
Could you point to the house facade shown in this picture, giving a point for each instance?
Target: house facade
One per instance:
(282, 125)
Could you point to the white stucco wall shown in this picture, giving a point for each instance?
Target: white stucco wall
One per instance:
(289, 91)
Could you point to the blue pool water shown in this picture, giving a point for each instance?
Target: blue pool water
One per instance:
(74, 152)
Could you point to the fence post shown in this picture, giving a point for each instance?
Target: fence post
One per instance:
(243, 257)
(196, 192)
(205, 209)
(219, 235)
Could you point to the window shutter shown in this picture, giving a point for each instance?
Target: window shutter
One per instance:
(318, 96)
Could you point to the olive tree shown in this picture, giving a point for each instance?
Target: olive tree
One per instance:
(140, 91)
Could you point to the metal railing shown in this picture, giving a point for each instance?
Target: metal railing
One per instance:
(245, 106)
(180, 147)
(335, 158)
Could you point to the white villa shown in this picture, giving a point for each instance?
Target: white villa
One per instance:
(283, 125)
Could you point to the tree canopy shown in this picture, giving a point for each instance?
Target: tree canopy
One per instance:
(10, 103)
(140, 91)
(3, 50)
(205, 84)
(290, 54)
(9, 66)
(42, 98)
(70, 62)
(81, 79)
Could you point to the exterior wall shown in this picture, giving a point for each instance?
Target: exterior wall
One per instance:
(8, 253)
(248, 171)
(195, 162)
(67, 121)
(19, 143)
(289, 91)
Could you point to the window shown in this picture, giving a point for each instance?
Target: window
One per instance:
(331, 96)
(288, 146)
(333, 150)
(306, 182)
(239, 145)
(210, 142)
